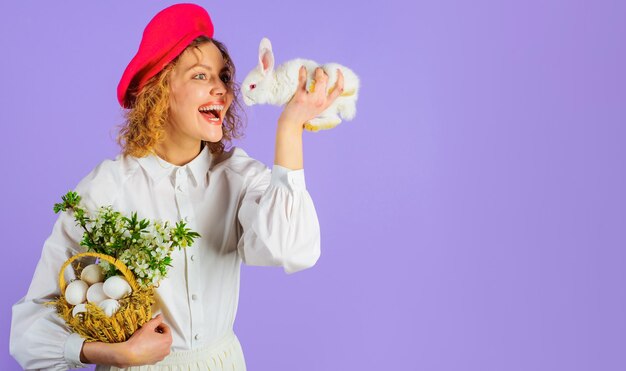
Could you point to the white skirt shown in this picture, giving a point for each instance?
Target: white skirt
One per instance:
(224, 354)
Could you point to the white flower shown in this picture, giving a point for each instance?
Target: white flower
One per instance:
(159, 239)
(126, 256)
(160, 252)
(105, 265)
(156, 278)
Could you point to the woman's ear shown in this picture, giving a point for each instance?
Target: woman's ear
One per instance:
(266, 57)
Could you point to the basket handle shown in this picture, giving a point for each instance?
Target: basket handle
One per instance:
(130, 277)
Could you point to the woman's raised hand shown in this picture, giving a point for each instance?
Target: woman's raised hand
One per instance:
(301, 108)
(305, 105)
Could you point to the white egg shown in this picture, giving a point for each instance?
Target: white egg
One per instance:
(76, 292)
(109, 306)
(80, 308)
(116, 287)
(92, 274)
(95, 294)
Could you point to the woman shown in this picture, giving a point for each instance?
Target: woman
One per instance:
(179, 92)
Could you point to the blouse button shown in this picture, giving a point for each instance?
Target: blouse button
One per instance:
(198, 337)
(194, 297)
(192, 257)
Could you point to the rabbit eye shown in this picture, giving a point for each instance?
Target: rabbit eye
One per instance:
(252, 86)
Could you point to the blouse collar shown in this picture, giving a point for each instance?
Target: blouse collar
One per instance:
(158, 168)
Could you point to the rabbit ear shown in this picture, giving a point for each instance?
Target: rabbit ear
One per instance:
(265, 43)
(266, 57)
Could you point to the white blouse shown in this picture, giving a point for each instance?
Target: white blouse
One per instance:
(243, 212)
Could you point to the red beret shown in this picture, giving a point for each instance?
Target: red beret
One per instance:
(164, 38)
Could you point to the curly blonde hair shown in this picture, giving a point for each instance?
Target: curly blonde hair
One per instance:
(145, 121)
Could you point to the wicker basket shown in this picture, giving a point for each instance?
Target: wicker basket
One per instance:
(95, 325)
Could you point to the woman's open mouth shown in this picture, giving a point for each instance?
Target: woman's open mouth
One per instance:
(212, 113)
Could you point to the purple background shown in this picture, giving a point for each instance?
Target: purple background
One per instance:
(472, 215)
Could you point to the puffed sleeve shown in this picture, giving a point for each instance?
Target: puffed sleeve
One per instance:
(279, 221)
(40, 338)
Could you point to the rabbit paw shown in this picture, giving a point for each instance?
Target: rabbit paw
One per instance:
(322, 123)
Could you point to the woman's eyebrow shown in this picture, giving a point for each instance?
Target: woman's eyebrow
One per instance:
(204, 66)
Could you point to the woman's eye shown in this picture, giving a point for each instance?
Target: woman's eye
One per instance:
(202, 76)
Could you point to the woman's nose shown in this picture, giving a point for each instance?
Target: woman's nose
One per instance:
(219, 89)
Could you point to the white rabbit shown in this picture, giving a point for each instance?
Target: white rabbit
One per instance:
(264, 85)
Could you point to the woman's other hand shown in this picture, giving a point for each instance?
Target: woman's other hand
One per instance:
(149, 344)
